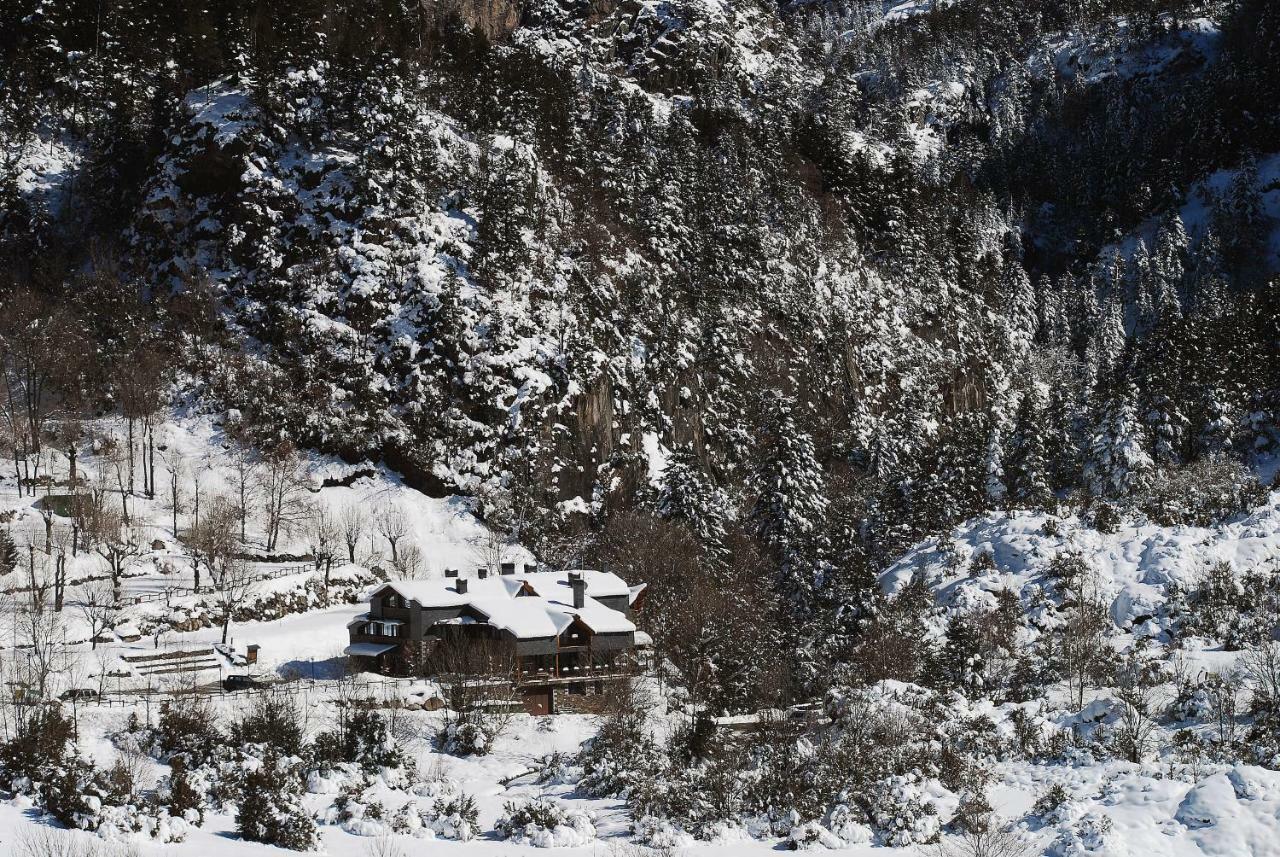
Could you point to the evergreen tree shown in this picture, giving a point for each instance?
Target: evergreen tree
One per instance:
(687, 495)
(996, 481)
(1118, 461)
(789, 513)
(1027, 470)
(8, 553)
(959, 661)
(271, 809)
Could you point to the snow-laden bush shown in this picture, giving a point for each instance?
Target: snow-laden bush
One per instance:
(455, 817)
(271, 808)
(621, 755)
(468, 736)
(357, 814)
(660, 834)
(1201, 493)
(363, 737)
(843, 827)
(1051, 807)
(545, 823)
(182, 793)
(130, 823)
(558, 769)
(1090, 835)
(902, 813)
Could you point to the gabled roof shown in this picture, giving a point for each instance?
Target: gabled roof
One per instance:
(534, 605)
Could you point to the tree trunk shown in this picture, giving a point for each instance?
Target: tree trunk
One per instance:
(59, 582)
(173, 496)
(71, 463)
(130, 421)
(151, 462)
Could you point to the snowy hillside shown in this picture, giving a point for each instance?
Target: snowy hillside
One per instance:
(913, 362)
(1139, 569)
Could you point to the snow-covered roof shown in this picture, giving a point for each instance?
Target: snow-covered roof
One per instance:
(367, 650)
(529, 605)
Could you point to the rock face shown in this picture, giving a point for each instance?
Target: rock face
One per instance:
(494, 19)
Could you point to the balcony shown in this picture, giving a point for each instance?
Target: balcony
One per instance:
(530, 675)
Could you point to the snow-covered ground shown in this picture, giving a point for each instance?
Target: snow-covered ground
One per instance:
(1116, 808)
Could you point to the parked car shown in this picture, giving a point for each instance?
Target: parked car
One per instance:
(78, 694)
(239, 682)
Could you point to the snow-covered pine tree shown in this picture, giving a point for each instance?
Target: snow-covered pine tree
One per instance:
(8, 552)
(1027, 470)
(687, 495)
(790, 508)
(1118, 462)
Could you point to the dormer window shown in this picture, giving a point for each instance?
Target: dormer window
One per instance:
(393, 601)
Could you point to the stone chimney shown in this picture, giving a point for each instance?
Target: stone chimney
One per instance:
(508, 568)
(482, 572)
(461, 586)
(579, 590)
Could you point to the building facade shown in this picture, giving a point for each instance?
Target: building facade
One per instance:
(547, 631)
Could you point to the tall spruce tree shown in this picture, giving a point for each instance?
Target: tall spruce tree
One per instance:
(790, 508)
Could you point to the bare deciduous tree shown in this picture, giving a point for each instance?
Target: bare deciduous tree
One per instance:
(233, 583)
(213, 538)
(1082, 637)
(393, 525)
(116, 461)
(987, 837)
(475, 676)
(41, 635)
(284, 487)
(116, 542)
(323, 539)
(1261, 666)
(409, 563)
(97, 605)
(139, 378)
(1136, 683)
(353, 521)
(245, 480)
(497, 543)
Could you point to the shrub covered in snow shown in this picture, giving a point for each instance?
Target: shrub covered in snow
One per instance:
(545, 823)
(621, 755)
(470, 734)
(271, 808)
(453, 817)
(363, 737)
(1090, 835)
(902, 812)
(189, 730)
(124, 823)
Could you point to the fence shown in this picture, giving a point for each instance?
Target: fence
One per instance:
(387, 692)
(175, 590)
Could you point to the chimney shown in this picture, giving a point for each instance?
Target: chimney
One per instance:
(450, 572)
(579, 590)
(482, 572)
(461, 586)
(508, 568)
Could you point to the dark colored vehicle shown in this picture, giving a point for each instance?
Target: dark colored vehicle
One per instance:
(78, 694)
(238, 682)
